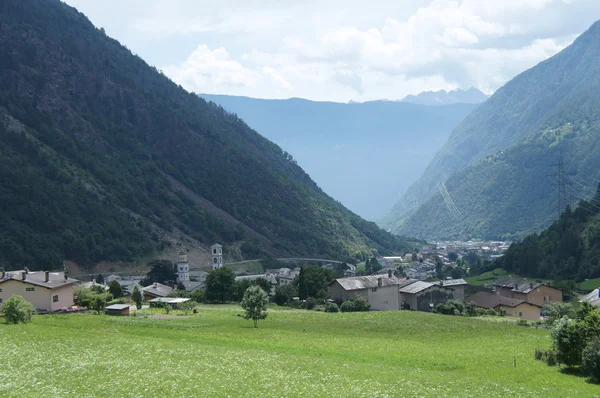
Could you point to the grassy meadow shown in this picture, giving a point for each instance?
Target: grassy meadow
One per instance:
(292, 353)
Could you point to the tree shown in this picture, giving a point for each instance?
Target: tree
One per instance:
(115, 289)
(284, 294)
(162, 271)
(312, 281)
(590, 359)
(220, 285)
(98, 303)
(556, 311)
(136, 295)
(18, 310)
(100, 279)
(255, 304)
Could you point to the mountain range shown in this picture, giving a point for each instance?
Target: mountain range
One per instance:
(443, 97)
(363, 154)
(103, 158)
(514, 163)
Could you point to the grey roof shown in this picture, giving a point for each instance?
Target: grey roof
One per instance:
(270, 278)
(117, 307)
(216, 245)
(592, 297)
(416, 287)
(158, 289)
(169, 300)
(489, 300)
(38, 278)
(451, 282)
(367, 281)
(406, 282)
(190, 286)
(517, 286)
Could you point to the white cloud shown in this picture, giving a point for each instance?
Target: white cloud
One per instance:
(343, 49)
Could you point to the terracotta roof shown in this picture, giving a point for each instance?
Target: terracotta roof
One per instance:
(38, 278)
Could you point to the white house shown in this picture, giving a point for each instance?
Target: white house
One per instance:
(47, 291)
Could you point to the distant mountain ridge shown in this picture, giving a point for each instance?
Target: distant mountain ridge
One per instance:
(103, 158)
(363, 154)
(490, 179)
(443, 97)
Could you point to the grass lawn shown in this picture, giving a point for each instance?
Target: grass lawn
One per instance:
(292, 353)
(589, 285)
(490, 276)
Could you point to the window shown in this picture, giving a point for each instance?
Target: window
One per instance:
(544, 299)
(0, 290)
(1, 300)
(30, 289)
(55, 298)
(373, 289)
(385, 302)
(520, 314)
(214, 251)
(214, 260)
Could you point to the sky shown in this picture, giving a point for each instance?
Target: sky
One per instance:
(341, 50)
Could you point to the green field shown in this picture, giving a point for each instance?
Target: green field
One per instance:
(490, 276)
(292, 353)
(589, 285)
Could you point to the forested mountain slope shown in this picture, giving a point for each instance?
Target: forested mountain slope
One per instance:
(568, 249)
(496, 162)
(102, 157)
(363, 154)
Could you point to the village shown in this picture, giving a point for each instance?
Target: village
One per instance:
(399, 284)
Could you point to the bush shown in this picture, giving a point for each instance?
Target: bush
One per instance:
(310, 303)
(197, 295)
(319, 308)
(120, 300)
(568, 340)
(356, 304)
(590, 359)
(18, 310)
(451, 307)
(332, 307)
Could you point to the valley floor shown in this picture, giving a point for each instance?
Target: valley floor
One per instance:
(292, 353)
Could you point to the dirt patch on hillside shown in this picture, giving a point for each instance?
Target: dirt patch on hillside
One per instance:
(165, 316)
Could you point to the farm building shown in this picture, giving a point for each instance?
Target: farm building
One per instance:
(380, 290)
(458, 285)
(172, 301)
(510, 306)
(593, 298)
(117, 309)
(539, 294)
(424, 296)
(156, 290)
(47, 291)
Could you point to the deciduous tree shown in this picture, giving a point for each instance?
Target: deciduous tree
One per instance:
(255, 304)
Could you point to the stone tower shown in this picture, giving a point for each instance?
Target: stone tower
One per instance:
(183, 268)
(217, 256)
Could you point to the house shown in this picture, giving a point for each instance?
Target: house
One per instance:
(534, 293)
(47, 291)
(191, 286)
(172, 301)
(510, 306)
(156, 290)
(380, 290)
(117, 309)
(458, 285)
(593, 298)
(268, 277)
(424, 296)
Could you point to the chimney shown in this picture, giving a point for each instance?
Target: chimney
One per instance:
(46, 276)
(379, 282)
(441, 283)
(389, 273)
(155, 285)
(24, 275)
(1, 275)
(516, 286)
(531, 285)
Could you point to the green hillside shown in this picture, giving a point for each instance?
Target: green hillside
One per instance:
(568, 249)
(293, 353)
(104, 158)
(496, 162)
